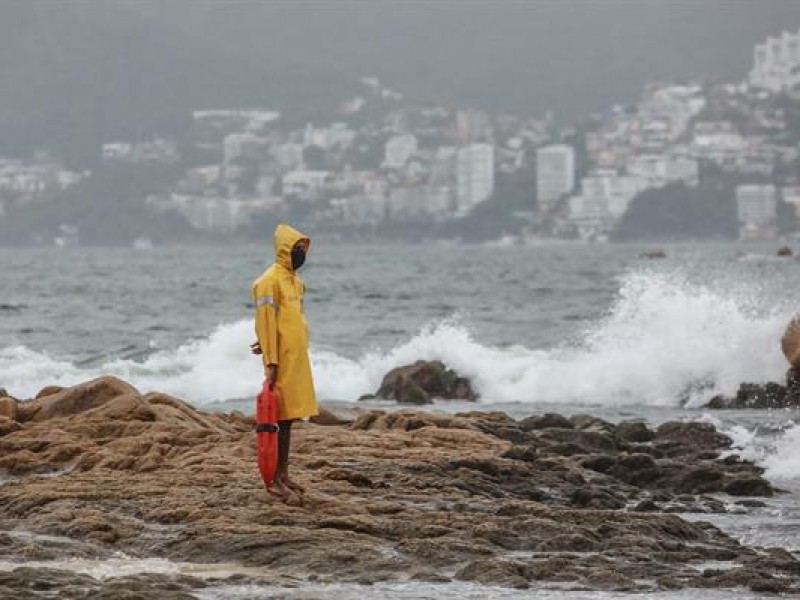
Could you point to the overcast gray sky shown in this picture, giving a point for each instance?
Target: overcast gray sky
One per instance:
(95, 68)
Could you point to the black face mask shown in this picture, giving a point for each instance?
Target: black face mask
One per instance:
(298, 257)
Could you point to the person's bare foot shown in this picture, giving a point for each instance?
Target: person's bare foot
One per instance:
(292, 484)
(278, 489)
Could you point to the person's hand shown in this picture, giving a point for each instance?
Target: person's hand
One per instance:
(255, 348)
(272, 375)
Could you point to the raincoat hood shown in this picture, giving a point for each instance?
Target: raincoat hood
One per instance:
(285, 239)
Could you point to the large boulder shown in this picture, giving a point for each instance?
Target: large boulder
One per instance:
(77, 399)
(749, 485)
(790, 342)
(421, 382)
(48, 390)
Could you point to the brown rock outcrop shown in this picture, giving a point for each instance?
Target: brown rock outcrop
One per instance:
(8, 408)
(392, 495)
(48, 390)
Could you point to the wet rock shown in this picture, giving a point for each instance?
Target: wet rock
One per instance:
(636, 462)
(568, 543)
(546, 421)
(748, 486)
(653, 254)
(567, 449)
(495, 572)
(523, 453)
(751, 503)
(756, 395)
(596, 497)
(692, 435)
(646, 506)
(588, 440)
(423, 381)
(26, 582)
(784, 251)
(699, 480)
(592, 423)
(633, 431)
(430, 576)
(769, 585)
(608, 579)
(599, 462)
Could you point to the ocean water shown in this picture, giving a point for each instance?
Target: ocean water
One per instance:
(564, 328)
(562, 324)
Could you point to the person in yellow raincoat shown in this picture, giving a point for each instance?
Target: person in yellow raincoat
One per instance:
(282, 333)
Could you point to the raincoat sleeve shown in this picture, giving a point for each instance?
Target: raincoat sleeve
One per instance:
(266, 300)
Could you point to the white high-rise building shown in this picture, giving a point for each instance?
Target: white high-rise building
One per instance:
(555, 174)
(757, 207)
(604, 198)
(475, 175)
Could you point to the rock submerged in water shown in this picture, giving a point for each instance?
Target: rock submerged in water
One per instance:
(576, 502)
(421, 382)
(760, 396)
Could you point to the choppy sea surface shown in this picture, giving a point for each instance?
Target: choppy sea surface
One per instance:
(564, 328)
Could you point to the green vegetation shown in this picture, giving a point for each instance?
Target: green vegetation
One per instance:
(678, 212)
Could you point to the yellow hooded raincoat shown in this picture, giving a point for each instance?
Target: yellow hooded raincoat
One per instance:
(282, 329)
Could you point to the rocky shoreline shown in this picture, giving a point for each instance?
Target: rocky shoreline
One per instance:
(100, 469)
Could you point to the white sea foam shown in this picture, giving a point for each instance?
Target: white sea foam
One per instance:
(778, 453)
(782, 462)
(663, 341)
(776, 448)
(122, 565)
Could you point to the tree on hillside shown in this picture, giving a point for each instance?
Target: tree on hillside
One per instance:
(679, 212)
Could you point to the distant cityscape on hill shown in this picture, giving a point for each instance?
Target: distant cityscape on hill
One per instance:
(686, 160)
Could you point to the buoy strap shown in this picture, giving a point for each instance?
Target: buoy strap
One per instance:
(267, 428)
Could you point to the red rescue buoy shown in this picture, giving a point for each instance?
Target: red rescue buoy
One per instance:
(267, 433)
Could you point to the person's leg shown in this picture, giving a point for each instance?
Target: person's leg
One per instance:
(284, 447)
(276, 486)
